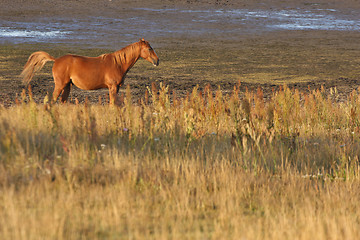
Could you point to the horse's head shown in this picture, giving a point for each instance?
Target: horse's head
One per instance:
(148, 53)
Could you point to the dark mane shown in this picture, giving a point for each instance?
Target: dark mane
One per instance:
(127, 52)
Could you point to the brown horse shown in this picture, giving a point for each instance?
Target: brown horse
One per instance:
(90, 73)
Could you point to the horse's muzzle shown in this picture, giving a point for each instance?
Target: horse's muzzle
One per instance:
(156, 62)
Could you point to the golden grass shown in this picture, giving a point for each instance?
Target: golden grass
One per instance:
(207, 166)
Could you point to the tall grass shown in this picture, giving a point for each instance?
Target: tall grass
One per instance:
(207, 166)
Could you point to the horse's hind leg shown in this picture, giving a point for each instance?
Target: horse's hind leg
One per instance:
(65, 89)
(56, 93)
(62, 84)
(65, 93)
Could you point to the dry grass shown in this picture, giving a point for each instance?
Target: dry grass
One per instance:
(207, 166)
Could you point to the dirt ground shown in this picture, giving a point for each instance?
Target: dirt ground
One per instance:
(301, 59)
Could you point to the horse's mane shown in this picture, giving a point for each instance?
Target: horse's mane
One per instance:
(125, 54)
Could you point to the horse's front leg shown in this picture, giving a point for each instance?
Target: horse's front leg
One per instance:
(113, 93)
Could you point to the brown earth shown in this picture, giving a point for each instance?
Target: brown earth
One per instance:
(301, 59)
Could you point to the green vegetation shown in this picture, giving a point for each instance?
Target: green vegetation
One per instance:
(205, 166)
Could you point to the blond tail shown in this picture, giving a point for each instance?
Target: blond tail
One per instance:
(34, 64)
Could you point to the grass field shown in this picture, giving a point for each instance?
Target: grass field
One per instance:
(231, 137)
(205, 166)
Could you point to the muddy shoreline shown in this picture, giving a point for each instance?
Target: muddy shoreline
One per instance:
(222, 43)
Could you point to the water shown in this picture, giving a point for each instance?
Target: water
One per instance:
(150, 23)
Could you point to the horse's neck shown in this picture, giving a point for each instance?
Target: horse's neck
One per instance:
(127, 57)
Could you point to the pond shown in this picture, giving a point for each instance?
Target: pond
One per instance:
(129, 25)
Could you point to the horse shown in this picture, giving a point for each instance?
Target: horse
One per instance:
(90, 73)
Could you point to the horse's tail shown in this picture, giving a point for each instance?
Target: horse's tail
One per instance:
(34, 64)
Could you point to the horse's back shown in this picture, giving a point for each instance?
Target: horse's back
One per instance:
(75, 63)
(85, 72)
(71, 59)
